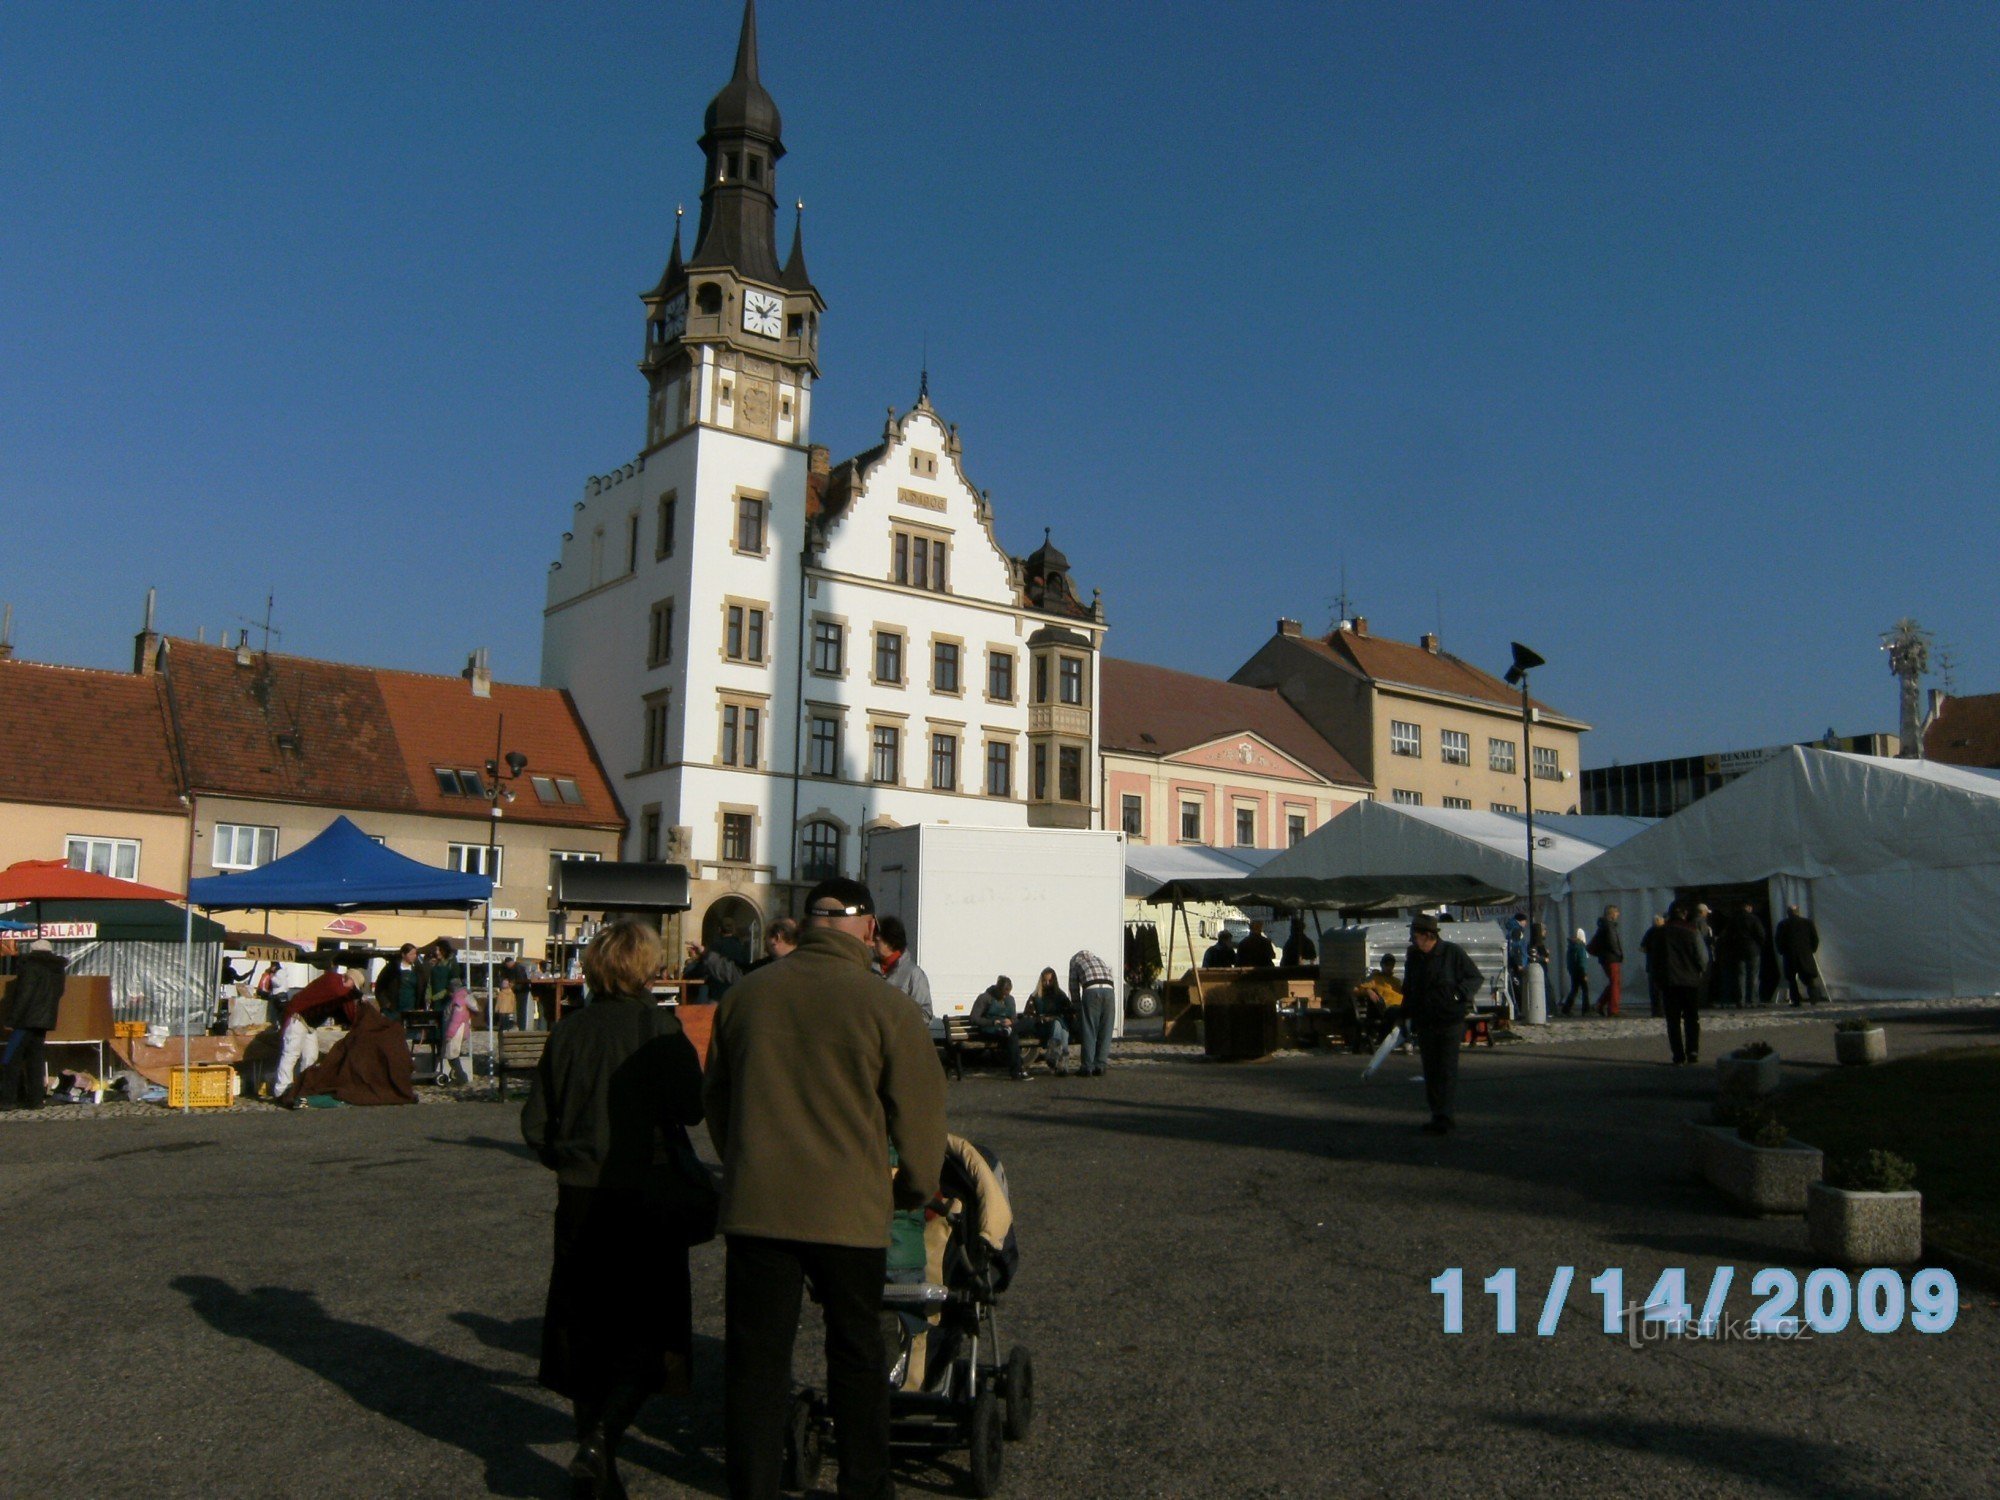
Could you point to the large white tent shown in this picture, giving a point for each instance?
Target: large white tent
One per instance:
(1394, 839)
(1898, 861)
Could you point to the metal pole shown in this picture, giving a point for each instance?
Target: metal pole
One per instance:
(492, 842)
(1528, 784)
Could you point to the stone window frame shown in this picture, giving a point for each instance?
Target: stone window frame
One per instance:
(835, 714)
(957, 644)
(725, 811)
(934, 733)
(821, 819)
(840, 626)
(900, 526)
(993, 653)
(763, 501)
(656, 744)
(899, 724)
(666, 519)
(652, 827)
(1082, 751)
(760, 704)
(660, 643)
(902, 635)
(767, 631)
(1003, 740)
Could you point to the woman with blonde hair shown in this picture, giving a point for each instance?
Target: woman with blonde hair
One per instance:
(616, 1089)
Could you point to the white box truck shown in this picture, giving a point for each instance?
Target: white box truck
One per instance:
(982, 902)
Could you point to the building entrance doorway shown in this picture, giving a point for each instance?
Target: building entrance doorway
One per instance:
(734, 927)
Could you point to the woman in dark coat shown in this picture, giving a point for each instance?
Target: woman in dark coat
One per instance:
(616, 1089)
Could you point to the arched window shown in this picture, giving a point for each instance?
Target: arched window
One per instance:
(708, 298)
(819, 851)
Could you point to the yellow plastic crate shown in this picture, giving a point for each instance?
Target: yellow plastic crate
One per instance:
(127, 1031)
(214, 1087)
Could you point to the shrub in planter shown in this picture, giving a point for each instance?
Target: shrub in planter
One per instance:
(1859, 1042)
(1759, 1167)
(1867, 1212)
(1748, 1072)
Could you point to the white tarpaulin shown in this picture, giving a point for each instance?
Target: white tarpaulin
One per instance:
(1898, 861)
(1390, 838)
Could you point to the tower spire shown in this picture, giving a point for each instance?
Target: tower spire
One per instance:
(741, 143)
(746, 44)
(795, 277)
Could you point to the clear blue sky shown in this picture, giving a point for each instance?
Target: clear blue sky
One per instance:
(1664, 338)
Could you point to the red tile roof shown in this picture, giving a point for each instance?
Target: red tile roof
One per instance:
(1966, 732)
(1147, 710)
(287, 728)
(76, 737)
(1400, 662)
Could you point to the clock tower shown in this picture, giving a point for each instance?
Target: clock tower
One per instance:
(732, 337)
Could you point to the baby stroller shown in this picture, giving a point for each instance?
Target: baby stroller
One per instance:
(949, 1387)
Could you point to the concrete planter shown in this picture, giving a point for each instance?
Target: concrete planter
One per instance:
(1864, 1229)
(1762, 1179)
(1741, 1077)
(1698, 1141)
(1856, 1048)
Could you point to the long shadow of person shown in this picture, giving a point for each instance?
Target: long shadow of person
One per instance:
(446, 1399)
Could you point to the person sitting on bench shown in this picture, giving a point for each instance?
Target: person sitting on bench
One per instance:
(995, 1017)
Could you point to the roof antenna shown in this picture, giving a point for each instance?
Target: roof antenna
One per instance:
(924, 379)
(270, 631)
(1343, 606)
(1437, 595)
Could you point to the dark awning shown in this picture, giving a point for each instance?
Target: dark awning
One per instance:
(605, 885)
(1351, 895)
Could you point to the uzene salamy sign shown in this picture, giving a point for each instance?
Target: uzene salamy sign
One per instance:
(56, 932)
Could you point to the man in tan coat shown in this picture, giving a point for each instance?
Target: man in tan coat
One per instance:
(817, 1067)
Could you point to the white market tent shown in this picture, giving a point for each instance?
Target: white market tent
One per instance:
(1898, 861)
(1393, 839)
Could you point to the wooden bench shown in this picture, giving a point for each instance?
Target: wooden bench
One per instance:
(520, 1052)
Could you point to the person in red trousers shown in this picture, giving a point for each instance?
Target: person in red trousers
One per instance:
(1608, 948)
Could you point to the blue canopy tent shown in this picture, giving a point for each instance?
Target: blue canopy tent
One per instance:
(340, 870)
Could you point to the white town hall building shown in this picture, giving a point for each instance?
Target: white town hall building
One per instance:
(776, 655)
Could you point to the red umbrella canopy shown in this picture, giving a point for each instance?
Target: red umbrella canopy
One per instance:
(53, 880)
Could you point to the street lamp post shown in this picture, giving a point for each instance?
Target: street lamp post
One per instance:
(1526, 661)
(500, 770)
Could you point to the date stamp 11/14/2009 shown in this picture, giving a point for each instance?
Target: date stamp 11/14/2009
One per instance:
(1826, 1301)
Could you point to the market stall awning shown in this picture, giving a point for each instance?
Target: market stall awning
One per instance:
(1351, 895)
(606, 885)
(342, 869)
(54, 880)
(120, 922)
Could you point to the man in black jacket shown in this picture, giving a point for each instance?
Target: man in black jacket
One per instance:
(32, 1008)
(1439, 985)
(1797, 938)
(1679, 960)
(1608, 948)
(1740, 956)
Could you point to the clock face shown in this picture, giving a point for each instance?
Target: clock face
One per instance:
(675, 315)
(762, 313)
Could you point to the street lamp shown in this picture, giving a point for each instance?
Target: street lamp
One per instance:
(500, 770)
(1526, 661)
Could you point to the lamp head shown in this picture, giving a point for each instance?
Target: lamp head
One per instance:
(1525, 661)
(516, 762)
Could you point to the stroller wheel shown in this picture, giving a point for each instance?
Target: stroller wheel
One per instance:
(804, 1456)
(1019, 1384)
(989, 1445)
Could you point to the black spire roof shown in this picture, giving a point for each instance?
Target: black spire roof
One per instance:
(795, 278)
(740, 144)
(675, 275)
(1045, 560)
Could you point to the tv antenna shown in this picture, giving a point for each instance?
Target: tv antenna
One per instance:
(271, 632)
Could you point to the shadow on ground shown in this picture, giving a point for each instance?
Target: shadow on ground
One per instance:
(1782, 1463)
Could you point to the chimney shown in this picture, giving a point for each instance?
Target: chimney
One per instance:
(7, 633)
(1361, 624)
(243, 657)
(1429, 642)
(819, 460)
(1287, 627)
(146, 645)
(477, 674)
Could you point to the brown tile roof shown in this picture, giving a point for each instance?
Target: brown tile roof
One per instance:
(287, 728)
(1149, 710)
(77, 737)
(1966, 732)
(1385, 661)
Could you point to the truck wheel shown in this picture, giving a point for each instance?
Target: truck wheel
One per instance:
(1143, 1003)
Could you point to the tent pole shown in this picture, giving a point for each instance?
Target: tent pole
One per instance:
(187, 1005)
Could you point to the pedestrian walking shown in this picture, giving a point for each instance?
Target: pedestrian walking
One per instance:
(895, 963)
(1738, 957)
(1607, 946)
(1578, 961)
(817, 1068)
(1797, 939)
(1649, 953)
(613, 1095)
(1096, 992)
(1681, 963)
(32, 1009)
(1439, 984)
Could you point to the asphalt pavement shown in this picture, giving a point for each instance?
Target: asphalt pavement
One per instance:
(1225, 1280)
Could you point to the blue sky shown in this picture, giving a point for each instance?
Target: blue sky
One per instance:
(1664, 338)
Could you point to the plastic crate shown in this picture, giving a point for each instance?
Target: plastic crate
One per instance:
(127, 1031)
(214, 1087)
